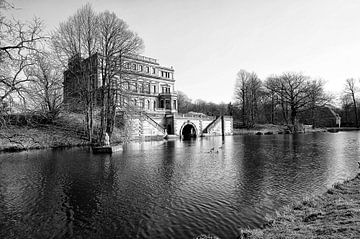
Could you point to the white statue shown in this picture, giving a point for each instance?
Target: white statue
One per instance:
(106, 140)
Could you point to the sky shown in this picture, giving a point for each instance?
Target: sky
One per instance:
(209, 41)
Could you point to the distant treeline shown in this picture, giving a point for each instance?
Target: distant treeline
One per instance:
(290, 99)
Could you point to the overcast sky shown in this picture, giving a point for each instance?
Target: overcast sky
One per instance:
(208, 42)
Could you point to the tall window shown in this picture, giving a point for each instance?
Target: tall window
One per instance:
(147, 69)
(153, 70)
(140, 68)
(154, 104)
(154, 88)
(167, 104)
(134, 67)
(174, 105)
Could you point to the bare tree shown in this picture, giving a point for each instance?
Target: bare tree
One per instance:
(44, 91)
(247, 92)
(76, 39)
(19, 41)
(350, 90)
(317, 99)
(101, 43)
(184, 102)
(116, 44)
(272, 98)
(294, 91)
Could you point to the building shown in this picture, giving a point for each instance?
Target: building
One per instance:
(145, 86)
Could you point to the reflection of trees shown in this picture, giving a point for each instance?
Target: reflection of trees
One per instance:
(275, 170)
(251, 168)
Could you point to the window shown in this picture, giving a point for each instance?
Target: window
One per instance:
(134, 67)
(140, 68)
(174, 104)
(147, 69)
(165, 74)
(154, 104)
(167, 104)
(153, 70)
(154, 88)
(148, 104)
(161, 104)
(165, 89)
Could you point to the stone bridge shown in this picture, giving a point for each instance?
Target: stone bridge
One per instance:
(185, 126)
(195, 126)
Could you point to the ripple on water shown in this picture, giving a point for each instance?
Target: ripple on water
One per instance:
(171, 189)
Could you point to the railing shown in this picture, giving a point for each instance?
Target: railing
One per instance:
(211, 125)
(154, 123)
(143, 58)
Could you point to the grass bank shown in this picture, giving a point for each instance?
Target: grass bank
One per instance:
(65, 132)
(334, 214)
(262, 129)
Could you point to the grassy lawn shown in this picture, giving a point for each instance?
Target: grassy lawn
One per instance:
(335, 214)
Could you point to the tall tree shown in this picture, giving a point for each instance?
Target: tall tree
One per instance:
(106, 42)
(77, 37)
(294, 90)
(247, 92)
(18, 43)
(317, 99)
(350, 90)
(116, 43)
(184, 102)
(44, 90)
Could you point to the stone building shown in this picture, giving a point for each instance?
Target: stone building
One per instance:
(145, 86)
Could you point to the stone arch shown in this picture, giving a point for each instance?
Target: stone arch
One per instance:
(188, 130)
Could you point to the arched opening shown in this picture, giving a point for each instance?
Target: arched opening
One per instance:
(188, 131)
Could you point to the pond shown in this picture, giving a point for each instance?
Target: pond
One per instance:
(168, 189)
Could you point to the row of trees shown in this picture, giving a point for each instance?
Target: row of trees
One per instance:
(185, 105)
(278, 99)
(32, 63)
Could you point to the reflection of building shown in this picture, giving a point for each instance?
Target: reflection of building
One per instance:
(145, 83)
(146, 86)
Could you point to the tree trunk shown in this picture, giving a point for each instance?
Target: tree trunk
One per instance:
(355, 109)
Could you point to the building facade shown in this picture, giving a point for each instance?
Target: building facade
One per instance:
(146, 88)
(145, 84)
(150, 86)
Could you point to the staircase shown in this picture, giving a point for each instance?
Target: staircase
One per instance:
(211, 125)
(154, 123)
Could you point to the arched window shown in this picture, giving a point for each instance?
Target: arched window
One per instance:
(154, 104)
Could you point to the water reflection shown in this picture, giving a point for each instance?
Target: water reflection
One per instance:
(167, 189)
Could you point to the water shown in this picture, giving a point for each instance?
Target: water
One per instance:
(168, 189)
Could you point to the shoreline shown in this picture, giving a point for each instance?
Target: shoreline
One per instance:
(333, 214)
(23, 138)
(19, 138)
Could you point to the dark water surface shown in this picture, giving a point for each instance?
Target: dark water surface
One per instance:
(167, 189)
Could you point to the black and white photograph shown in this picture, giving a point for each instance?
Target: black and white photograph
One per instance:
(179, 119)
